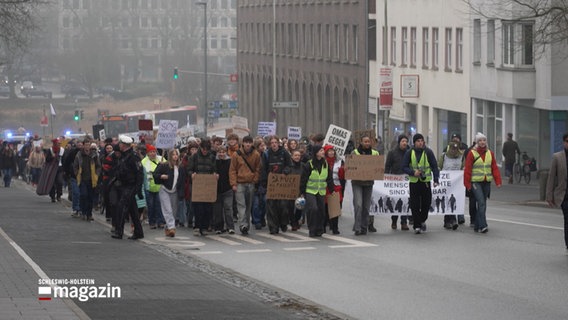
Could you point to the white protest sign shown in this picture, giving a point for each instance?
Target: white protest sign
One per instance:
(183, 136)
(239, 122)
(102, 135)
(167, 134)
(266, 129)
(338, 138)
(295, 133)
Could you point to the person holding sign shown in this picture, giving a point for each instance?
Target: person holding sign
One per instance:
(315, 182)
(275, 160)
(480, 169)
(420, 163)
(203, 162)
(393, 165)
(362, 192)
(337, 172)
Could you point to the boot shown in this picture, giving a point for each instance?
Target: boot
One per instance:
(372, 228)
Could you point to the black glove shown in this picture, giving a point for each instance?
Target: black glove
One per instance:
(140, 195)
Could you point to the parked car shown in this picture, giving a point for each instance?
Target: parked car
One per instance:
(37, 91)
(26, 85)
(4, 91)
(107, 90)
(74, 90)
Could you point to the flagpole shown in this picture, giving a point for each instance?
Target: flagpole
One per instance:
(43, 127)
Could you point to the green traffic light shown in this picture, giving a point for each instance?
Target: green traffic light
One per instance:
(176, 76)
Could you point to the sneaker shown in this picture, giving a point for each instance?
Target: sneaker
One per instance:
(90, 218)
(417, 230)
(393, 226)
(447, 225)
(484, 230)
(336, 231)
(372, 228)
(284, 228)
(359, 233)
(404, 227)
(75, 214)
(273, 231)
(196, 232)
(231, 231)
(423, 227)
(258, 226)
(244, 230)
(455, 226)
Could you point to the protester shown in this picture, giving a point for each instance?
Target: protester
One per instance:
(86, 169)
(420, 164)
(244, 174)
(258, 211)
(451, 160)
(223, 207)
(362, 192)
(337, 171)
(55, 156)
(172, 180)
(150, 163)
(36, 162)
(8, 164)
(393, 165)
(510, 151)
(297, 168)
(556, 195)
(480, 169)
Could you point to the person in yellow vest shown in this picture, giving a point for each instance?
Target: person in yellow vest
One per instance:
(362, 192)
(87, 168)
(150, 162)
(480, 169)
(420, 164)
(316, 180)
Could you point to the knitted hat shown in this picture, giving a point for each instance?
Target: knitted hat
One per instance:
(150, 147)
(327, 147)
(479, 136)
(416, 137)
(402, 136)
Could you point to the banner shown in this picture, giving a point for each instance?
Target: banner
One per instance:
(338, 138)
(385, 89)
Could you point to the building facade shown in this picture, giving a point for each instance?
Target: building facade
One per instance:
(425, 45)
(317, 48)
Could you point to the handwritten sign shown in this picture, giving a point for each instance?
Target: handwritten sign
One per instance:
(204, 188)
(364, 167)
(295, 133)
(338, 138)
(266, 129)
(282, 186)
(167, 134)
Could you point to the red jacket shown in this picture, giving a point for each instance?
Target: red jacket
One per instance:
(469, 166)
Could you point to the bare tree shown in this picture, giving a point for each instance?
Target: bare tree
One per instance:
(18, 23)
(550, 17)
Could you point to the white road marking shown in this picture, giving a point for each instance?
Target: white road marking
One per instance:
(350, 242)
(254, 251)
(527, 224)
(246, 239)
(300, 249)
(207, 252)
(86, 242)
(281, 238)
(225, 240)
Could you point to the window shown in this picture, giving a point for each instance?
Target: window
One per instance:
(346, 45)
(476, 41)
(337, 43)
(224, 42)
(355, 42)
(459, 49)
(490, 42)
(435, 47)
(508, 44)
(527, 44)
(328, 39)
(413, 47)
(66, 22)
(425, 48)
(404, 46)
(372, 40)
(213, 43)
(393, 46)
(448, 50)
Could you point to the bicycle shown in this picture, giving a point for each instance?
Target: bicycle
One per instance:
(522, 168)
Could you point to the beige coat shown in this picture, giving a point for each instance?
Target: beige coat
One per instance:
(556, 184)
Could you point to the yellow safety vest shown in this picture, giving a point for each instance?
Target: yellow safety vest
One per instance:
(150, 168)
(373, 152)
(317, 182)
(421, 164)
(481, 170)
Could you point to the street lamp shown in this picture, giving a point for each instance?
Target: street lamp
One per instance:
(205, 115)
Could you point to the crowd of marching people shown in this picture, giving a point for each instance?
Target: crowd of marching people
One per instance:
(136, 183)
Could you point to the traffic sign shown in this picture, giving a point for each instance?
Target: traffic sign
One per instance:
(285, 104)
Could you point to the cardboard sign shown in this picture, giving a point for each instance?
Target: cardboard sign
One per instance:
(333, 205)
(204, 188)
(338, 138)
(167, 134)
(364, 167)
(282, 186)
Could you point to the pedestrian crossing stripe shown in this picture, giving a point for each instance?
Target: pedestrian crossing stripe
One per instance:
(282, 238)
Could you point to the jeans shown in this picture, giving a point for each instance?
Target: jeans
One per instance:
(154, 208)
(223, 211)
(258, 208)
(244, 196)
(480, 190)
(75, 195)
(565, 213)
(36, 173)
(361, 205)
(86, 194)
(189, 212)
(7, 175)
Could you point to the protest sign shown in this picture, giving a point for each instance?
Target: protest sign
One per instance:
(338, 138)
(333, 205)
(295, 133)
(282, 186)
(266, 129)
(204, 188)
(167, 134)
(364, 167)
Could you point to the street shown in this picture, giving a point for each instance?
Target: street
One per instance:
(519, 270)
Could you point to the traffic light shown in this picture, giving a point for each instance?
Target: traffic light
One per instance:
(82, 115)
(76, 117)
(176, 76)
